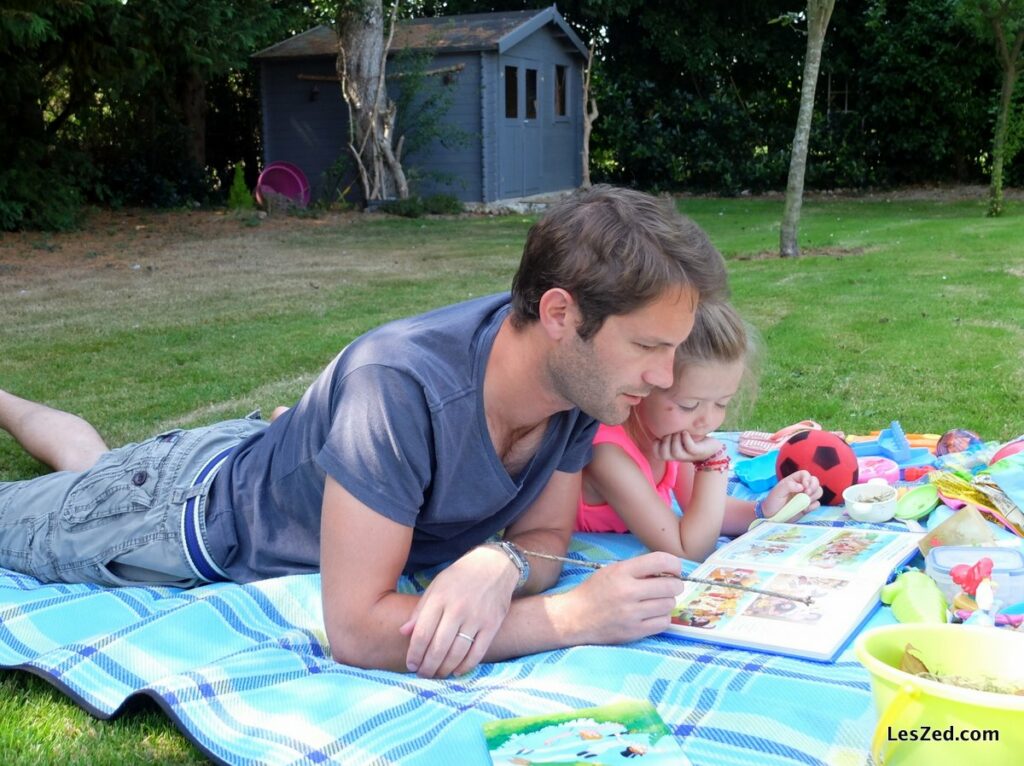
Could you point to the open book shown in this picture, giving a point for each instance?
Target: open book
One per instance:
(842, 569)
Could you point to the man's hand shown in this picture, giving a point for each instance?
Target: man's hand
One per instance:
(626, 601)
(682, 448)
(468, 599)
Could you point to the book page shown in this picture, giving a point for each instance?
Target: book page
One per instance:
(839, 551)
(840, 570)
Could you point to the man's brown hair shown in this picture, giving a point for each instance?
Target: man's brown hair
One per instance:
(614, 250)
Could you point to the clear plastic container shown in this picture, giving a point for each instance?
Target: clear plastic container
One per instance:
(1007, 569)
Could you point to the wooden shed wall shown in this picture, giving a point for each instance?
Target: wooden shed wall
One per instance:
(312, 132)
(455, 168)
(305, 122)
(308, 130)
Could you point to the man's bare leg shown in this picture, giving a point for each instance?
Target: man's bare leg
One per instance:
(63, 441)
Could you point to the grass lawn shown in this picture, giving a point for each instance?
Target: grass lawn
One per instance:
(898, 310)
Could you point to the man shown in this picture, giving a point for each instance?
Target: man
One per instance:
(420, 442)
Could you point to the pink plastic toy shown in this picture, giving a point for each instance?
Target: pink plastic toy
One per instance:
(1010, 448)
(877, 468)
(283, 179)
(970, 577)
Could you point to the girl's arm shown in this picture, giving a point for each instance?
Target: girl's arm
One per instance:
(738, 513)
(618, 480)
(706, 504)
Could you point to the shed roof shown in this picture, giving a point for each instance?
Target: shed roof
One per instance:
(468, 32)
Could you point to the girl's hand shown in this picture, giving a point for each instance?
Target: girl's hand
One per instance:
(682, 448)
(799, 481)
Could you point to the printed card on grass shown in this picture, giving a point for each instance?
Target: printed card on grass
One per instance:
(626, 732)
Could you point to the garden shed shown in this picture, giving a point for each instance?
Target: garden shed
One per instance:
(514, 101)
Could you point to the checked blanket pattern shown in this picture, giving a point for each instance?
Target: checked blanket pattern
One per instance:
(244, 672)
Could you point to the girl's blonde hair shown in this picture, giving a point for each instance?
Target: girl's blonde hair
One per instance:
(720, 335)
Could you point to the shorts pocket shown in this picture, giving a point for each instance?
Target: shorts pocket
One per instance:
(111, 488)
(116, 575)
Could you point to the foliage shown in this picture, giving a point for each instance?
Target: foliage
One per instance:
(337, 181)
(37, 183)
(442, 204)
(1015, 138)
(921, 84)
(409, 207)
(240, 198)
(1003, 23)
(114, 101)
(416, 206)
(233, 122)
(37, 192)
(708, 106)
(106, 101)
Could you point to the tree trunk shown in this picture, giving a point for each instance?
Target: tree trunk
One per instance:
(361, 63)
(819, 13)
(590, 114)
(995, 196)
(192, 100)
(1010, 60)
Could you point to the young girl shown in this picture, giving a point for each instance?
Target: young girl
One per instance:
(664, 448)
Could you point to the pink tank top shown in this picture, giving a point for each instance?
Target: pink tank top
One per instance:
(603, 518)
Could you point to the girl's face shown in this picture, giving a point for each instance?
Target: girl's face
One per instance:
(696, 403)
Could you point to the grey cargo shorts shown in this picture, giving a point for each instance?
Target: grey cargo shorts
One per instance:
(121, 521)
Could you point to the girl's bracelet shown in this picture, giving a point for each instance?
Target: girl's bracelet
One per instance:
(759, 509)
(719, 462)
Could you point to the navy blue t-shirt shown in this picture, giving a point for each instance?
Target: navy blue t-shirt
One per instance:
(398, 420)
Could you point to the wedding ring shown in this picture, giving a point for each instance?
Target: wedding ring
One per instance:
(465, 636)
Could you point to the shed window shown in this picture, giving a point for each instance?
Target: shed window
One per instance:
(511, 92)
(531, 94)
(560, 92)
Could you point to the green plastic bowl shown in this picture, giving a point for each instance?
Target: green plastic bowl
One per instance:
(937, 724)
(918, 502)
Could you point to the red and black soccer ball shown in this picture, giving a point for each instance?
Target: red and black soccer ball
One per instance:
(823, 454)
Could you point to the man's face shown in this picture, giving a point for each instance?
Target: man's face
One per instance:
(629, 356)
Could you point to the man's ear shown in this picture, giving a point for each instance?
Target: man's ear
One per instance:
(559, 314)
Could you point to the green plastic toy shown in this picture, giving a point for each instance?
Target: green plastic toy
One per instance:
(915, 597)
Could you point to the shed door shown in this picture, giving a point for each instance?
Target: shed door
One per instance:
(520, 121)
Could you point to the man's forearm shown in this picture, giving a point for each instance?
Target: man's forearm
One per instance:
(372, 639)
(534, 624)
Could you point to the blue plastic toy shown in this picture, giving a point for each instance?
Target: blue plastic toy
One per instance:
(758, 473)
(892, 443)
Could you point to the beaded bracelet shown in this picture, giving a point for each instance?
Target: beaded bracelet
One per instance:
(759, 509)
(719, 462)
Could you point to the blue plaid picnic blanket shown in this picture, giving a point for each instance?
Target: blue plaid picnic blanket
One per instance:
(244, 671)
